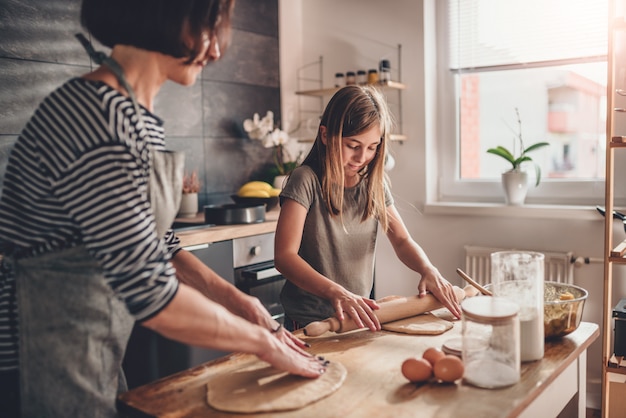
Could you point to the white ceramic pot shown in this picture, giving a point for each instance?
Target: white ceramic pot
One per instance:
(188, 205)
(515, 184)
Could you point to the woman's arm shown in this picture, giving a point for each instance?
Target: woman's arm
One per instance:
(414, 257)
(193, 319)
(193, 272)
(287, 260)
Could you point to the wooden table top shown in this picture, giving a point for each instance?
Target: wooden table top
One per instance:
(374, 385)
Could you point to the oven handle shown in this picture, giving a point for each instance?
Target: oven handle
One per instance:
(263, 274)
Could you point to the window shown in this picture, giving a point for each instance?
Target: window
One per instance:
(545, 59)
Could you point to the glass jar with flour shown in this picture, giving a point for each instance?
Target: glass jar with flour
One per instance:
(490, 349)
(519, 276)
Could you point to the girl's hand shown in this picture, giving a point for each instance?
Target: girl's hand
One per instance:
(357, 308)
(432, 281)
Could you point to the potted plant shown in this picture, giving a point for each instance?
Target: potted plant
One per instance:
(264, 130)
(515, 180)
(189, 201)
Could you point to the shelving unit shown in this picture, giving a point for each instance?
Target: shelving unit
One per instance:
(325, 93)
(613, 390)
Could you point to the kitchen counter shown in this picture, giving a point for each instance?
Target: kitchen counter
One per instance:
(216, 233)
(375, 386)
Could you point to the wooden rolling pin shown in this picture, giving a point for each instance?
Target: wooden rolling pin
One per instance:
(392, 310)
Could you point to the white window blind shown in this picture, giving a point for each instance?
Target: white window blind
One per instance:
(492, 34)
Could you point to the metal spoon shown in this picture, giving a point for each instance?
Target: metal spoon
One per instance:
(473, 283)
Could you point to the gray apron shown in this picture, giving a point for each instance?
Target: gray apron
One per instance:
(73, 330)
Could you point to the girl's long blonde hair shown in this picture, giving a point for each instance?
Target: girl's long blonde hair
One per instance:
(351, 111)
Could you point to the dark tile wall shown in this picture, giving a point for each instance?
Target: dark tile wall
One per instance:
(38, 52)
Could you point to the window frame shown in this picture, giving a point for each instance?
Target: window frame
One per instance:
(451, 188)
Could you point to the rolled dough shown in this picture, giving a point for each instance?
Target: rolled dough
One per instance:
(424, 324)
(262, 388)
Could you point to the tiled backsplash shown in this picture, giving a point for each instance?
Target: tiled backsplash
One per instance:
(38, 52)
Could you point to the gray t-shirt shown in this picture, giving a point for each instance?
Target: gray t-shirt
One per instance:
(344, 255)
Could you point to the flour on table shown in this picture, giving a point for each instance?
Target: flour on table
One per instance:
(425, 324)
(262, 388)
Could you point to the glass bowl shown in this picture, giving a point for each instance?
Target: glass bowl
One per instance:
(562, 316)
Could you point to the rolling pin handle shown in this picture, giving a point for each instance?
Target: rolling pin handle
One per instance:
(315, 329)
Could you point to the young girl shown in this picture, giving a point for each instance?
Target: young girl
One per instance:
(330, 210)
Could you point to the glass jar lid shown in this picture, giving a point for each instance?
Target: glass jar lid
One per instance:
(489, 308)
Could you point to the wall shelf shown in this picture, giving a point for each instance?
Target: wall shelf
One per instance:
(330, 91)
(306, 78)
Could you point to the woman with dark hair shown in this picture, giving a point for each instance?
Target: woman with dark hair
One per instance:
(331, 207)
(87, 202)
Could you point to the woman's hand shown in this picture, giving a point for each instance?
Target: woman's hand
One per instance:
(432, 281)
(357, 308)
(282, 356)
(253, 310)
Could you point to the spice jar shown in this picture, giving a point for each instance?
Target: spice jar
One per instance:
(340, 81)
(350, 78)
(519, 276)
(372, 76)
(491, 335)
(361, 77)
(385, 71)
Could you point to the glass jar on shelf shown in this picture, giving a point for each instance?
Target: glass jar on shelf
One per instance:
(340, 80)
(361, 77)
(350, 78)
(385, 71)
(372, 76)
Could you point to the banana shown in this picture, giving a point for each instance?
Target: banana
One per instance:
(254, 185)
(274, 192)
(253, 193)
(258, 185)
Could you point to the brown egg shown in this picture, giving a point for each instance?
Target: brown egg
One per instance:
(449, 368)
(417, 369)
(433, 354)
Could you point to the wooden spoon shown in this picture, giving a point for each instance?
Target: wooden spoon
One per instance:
(473, 283)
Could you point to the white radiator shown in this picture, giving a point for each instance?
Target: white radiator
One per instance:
(558, 265)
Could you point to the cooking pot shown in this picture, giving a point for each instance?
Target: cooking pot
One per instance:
(234, 214)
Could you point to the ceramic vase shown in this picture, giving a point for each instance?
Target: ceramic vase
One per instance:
(515, 184)
(188, 205)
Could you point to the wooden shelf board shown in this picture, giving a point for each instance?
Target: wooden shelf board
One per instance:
(393, 137)
(614, 368)
(620, 250)
(618, 141)
(330, 91)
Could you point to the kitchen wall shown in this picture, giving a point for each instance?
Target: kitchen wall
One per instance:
(38, 52)
(355, 33)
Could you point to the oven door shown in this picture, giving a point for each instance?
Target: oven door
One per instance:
(264, 282)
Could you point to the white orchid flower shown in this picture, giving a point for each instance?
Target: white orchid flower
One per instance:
(280, 137)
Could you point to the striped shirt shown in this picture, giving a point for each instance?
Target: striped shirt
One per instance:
(78, 175)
